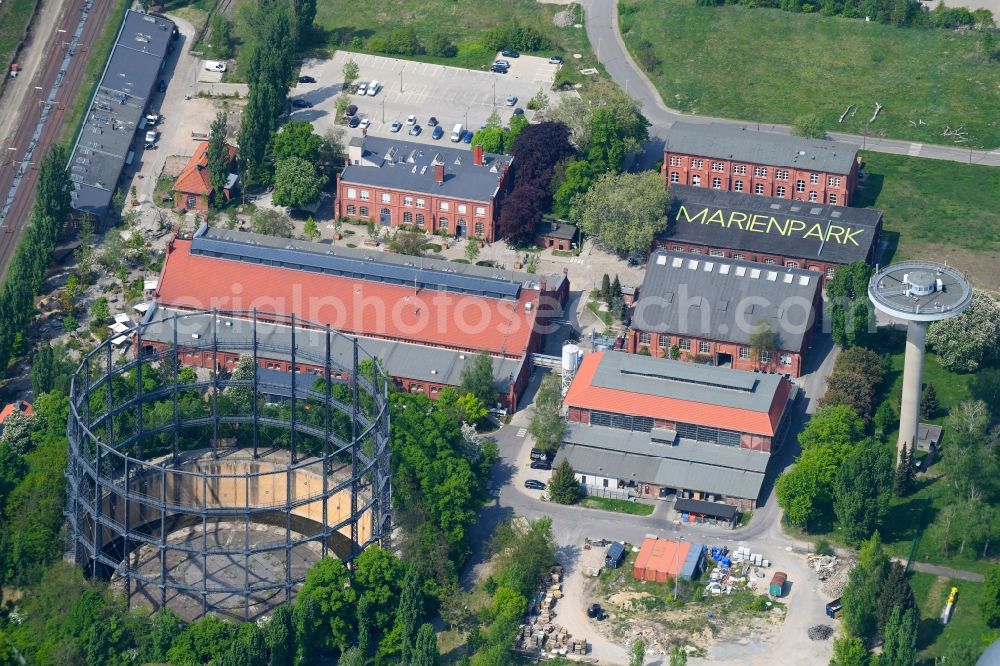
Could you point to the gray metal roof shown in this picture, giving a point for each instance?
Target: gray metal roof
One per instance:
(681, 380)
(562, 230)
(742, 144)
(109, 129)
(724, 299)
(403, 165)
(772, 225)
(399, 359)
(233, 244)
(671, 469)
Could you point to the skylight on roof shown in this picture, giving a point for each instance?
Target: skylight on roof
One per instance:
(677, 262)
(772, 276)
(693, 264)
(661, 260)
(775, 206)
(804, 280)
(788, 278)
(724, 269)
(835, 213)
(815, 211)
(755, 273)
(708, 266)
(741, 271)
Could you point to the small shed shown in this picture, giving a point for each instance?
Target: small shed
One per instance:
(777, 586)
(693, 562)
(660, 559)
(699, 511)
(928, 441)
(615, 556)
(550, 234)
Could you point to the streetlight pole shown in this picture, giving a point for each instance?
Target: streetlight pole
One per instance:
(400, 80)
(383, 109)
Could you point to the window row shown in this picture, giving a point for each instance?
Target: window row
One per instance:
(418, 202)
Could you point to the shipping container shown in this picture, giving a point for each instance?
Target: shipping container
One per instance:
(777, 587)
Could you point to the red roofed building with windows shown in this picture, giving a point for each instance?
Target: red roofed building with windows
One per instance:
(22, 406)
(193, 188)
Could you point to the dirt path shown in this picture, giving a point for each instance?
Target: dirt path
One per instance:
(41, 35)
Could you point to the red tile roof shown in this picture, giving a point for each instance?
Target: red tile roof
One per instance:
(438, 318)
(583, 394)
(195, 178)
(22, 406)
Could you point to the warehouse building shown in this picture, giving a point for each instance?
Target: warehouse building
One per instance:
(662, 428)
(707, 310)
(108, 141)
(769, 230)
(723, 156)
(424, 318)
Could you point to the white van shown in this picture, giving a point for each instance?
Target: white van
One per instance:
(373, 88)
(456, 134)
(363, 88)
(214, 66)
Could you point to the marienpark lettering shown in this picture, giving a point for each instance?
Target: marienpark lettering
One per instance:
(765, 224)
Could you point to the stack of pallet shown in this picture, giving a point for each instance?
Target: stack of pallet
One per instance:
(577, 646)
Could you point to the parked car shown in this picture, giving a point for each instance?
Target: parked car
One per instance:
(468, 136)
(502, 63)
(411, 119)
(300, 103)
(214, 66)
(499, 69)
(555, 60)
(414, 131)
(511, 100)
(437, 133)
(353, 121)
(366, 123)
(396, 126)
(306, 79)
(363, 88)
(351, 110)
(510, 53)
(518, 111)
(538, 454)
(534, 484)
(541, 464)
(373, 88)
(161, 86)
(432, 122)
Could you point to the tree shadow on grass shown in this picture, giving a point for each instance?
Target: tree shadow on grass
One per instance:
(928, 631)
(868, 191)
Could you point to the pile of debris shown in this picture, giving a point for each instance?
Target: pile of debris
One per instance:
(832, 572)
(820, 632)
(540, 633)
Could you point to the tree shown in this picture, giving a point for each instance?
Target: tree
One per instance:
(43, 368)
(222, 36)
(279, 635)
(849, 651)
(218, 153)
(607, 149)
(408, 242)
(378, 575)
(296, 183)
(409, 612)
(885, 419)
(623, 211)
(987, 45)
(961, 653)
(896, 593)
(989, 606)
(438, 44)
(851, 312)
(970, 340)
(471, 251)
(16, 433)
(353, 657)
(271, 222)
(901, 484)
(563, 486)
(899, 639)
(929, 405)
(328, 586)
(605, 292)
(547, 426)
(763, 342)
(477, 378)
(351, 73)
(310, 229)
(164, 627)
(297, 139)
(678, 656)
(331, 151)
(492, 137)
(201, 641)
(520, 214)
(425, 649)
(855, 381)
(835, 425)
(968, 461)
(537, 150)
(637, 655)
(864, 587)
(309, 641)
(863, 488)
(809, 126)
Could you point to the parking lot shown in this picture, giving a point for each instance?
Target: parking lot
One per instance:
(450, 94)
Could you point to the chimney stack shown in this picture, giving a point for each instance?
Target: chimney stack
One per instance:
(477, 154)
(439, 173)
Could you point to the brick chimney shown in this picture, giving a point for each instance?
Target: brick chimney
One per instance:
(477, 155)
(439, 173)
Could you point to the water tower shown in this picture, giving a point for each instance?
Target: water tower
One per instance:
(570, 363)
(917, 292)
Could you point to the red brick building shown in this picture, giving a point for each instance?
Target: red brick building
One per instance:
(193, 188)
(705, 309)
(425, 323)
(737, 159)
(439, 189)
(658, 427)
(556, 236)
(770, 231)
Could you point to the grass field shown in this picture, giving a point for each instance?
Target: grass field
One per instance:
(768, 65)
(938, 210)
(617, 505)
(966, 625)
(14, 18)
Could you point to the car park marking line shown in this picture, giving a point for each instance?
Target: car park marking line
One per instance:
(521, 432)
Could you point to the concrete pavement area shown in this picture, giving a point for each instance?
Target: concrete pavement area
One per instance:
(450, 94)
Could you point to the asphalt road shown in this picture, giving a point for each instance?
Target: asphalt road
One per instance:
(605, 38)
(13, 226)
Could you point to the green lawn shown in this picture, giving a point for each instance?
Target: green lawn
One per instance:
(966, 625)
(618, 506)
(768, 65)
(14, 18)
(938, 210)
